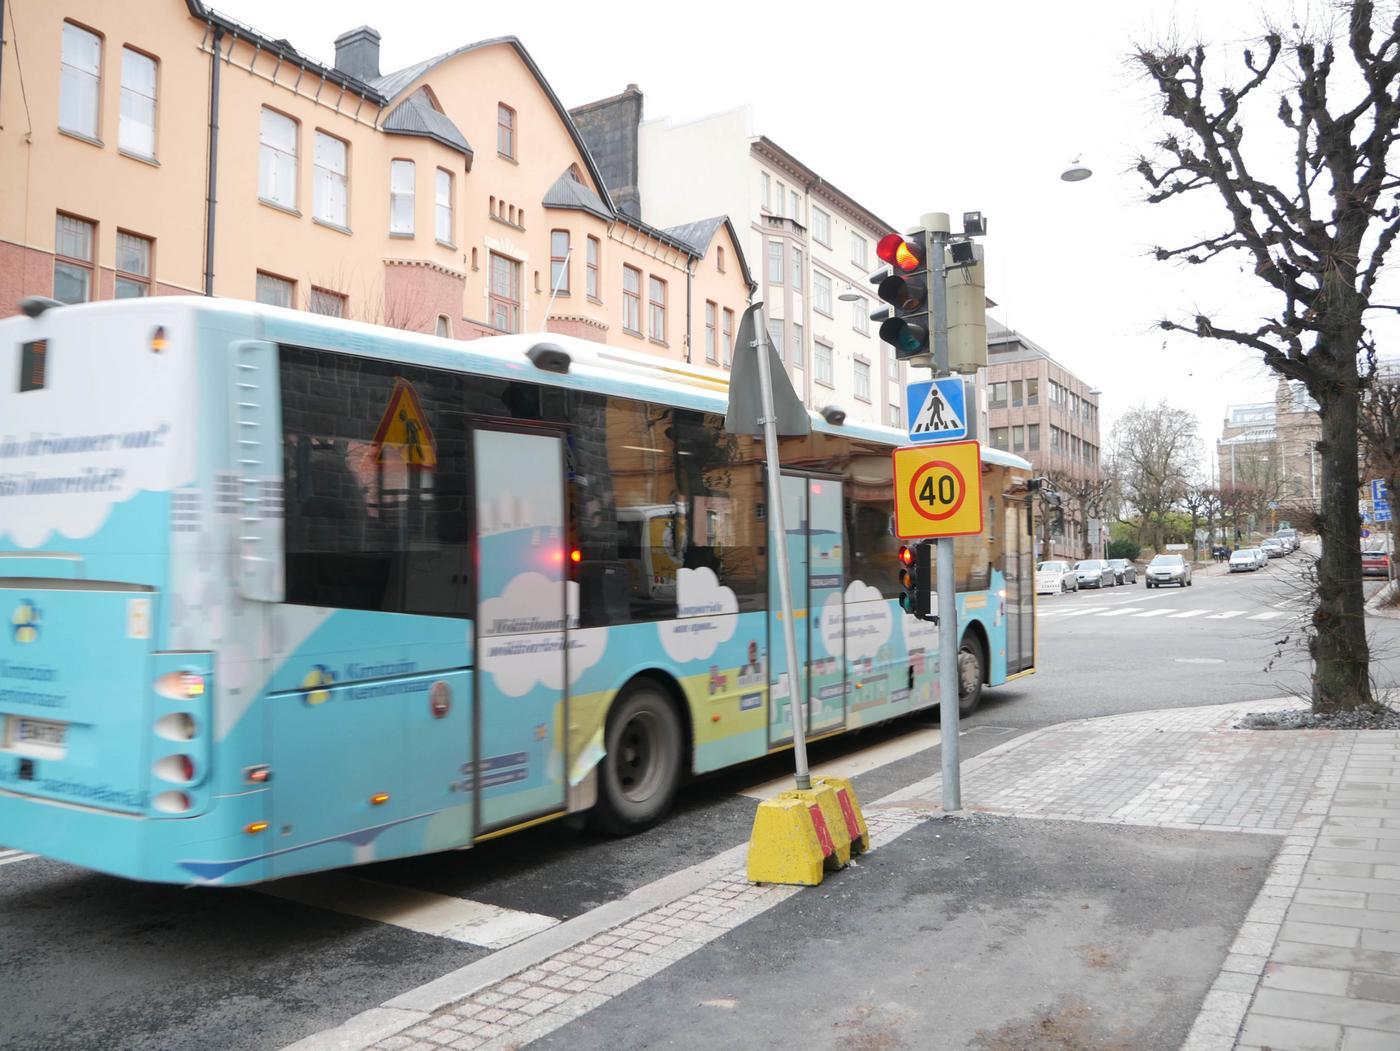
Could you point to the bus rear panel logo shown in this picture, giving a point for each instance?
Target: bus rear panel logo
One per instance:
(25, 622)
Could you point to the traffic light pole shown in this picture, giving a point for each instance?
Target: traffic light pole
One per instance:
(779, 545)
(946, 566)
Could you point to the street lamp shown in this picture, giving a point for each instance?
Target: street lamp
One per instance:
(850, 295)
(1076, 172)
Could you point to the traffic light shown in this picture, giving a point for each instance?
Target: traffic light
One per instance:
(905, 326)
(916, 579)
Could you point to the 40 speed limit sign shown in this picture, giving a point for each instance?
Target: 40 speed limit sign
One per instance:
(938, 490)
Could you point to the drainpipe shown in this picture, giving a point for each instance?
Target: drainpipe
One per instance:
(689, 285)
(2, 34)
(210, 203)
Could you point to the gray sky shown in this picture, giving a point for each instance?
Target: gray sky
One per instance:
(1020, 89)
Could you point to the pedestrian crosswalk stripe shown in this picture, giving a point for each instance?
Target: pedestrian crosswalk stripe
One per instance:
(1087, 609)
(1189, 613)
(1154, 613)
(8, 857)
(1228, 614)
(1120, 612)
(1267, 615)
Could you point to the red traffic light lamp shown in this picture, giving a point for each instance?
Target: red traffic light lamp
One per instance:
(902, 253)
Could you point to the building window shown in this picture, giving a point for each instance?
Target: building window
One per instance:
(998, 436)
(858, 250)
(775, 336)
(401, 193)
(136, 127)
(728, 337)
(711, 335)
(996, 396)
(860, 315)
(894, 416)
(775, 262)
(327, 303)
(1033, 391)
(656, 315)
(632, 300)
(1032, 437)
(505, 293)
(80, 81)
(797, 274)
(275, 291)
(821, 226)
(1018, 438)
(796, 202)
(799, 357)
(444, 326)
(505, 131)
(821, 293)
(766, 190)
(591, 275)
(277, 159)
(719, 258)
(892, 368)
(133, 266)
(781, 198)
(559, 261)
(442, 208)
(330, 190)
(72, 263)
(1016, 393)
(821, 363)
(862, 380)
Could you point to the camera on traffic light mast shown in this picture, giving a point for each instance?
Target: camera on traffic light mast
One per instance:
(916, 580)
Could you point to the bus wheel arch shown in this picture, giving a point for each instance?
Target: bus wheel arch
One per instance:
(973, 667)
(647, 744)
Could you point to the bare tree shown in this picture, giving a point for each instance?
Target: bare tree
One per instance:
(1083, 499)
(1154, 452)
(1201, 502)
(1317, 245)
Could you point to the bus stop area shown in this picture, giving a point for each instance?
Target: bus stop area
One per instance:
(1153, 880)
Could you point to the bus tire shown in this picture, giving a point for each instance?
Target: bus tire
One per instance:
(641, 770)
(972, 665)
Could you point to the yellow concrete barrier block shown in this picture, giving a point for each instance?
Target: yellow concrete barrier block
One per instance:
(852, 818)
(796, 838)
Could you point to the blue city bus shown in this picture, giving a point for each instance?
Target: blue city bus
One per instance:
(284, 593)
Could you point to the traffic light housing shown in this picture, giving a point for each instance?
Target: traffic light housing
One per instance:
(905, 325)
(916, 579)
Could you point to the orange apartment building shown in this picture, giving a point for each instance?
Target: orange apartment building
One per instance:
(157, 147)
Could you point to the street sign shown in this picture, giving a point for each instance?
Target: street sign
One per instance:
(938, 491)
(1379, 491)
(936, 410)
(1381, 505)
(1382, 516)
(403, 430)
(1365, 533)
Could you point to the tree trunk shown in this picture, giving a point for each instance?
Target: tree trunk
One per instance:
(1341, 656)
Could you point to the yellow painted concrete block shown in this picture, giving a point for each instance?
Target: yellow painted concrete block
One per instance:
(853, 819)
(797, 836)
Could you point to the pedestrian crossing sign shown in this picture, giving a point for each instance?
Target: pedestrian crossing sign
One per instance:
(936, 410)
(403, 431)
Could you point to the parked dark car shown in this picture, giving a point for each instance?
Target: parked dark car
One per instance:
(1095, 573)
(1124, 570)
(1375, 563)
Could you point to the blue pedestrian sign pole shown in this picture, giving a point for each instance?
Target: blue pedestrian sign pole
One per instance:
(936, 410)
(1379, 492)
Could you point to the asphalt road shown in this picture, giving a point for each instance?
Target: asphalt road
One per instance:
(88, 961)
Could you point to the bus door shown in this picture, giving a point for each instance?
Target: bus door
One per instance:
(1020, 584)
(812, 519)
(521, 600)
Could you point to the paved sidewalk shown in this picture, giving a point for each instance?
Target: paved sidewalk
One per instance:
(1315, 963)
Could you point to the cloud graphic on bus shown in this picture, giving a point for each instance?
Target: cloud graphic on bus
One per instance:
(522, 636)
(864, 617)
(707, 616)
(921, 634)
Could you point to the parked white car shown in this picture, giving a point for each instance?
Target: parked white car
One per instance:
(1243, 561)
(1054, 578)
(1274, 547)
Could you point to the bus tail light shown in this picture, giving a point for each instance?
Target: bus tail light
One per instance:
(257, 775)
(177, 726)
(177, 768)
(172, 802)
(254, 827)
(181, 685)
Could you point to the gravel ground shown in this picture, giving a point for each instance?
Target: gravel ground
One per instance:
(1302, 719)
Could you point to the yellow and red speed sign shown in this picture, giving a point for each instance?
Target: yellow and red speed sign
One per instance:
(938, 490)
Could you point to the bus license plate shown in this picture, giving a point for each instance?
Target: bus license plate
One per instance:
(40, 733)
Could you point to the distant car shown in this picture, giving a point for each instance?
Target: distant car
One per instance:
(1291, 537)
(1274, 547)
(1124, 570)
(1243, 561)
(1055, 578)
(1168, 569)
(1095, 573)
(1260, 557)
(1375, 563)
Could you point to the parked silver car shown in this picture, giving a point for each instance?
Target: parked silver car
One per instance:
(1168, 569)
(1095, 573)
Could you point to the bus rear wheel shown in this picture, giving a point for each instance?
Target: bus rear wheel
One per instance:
(971, 666)
(641, 771)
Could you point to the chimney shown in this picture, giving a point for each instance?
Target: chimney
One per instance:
(609, 127)
(357, 53)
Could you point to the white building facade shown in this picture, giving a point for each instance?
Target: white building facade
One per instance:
(807, 243)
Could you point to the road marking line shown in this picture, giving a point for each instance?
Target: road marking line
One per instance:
(9, 856)
(460, 919)
(1189, 613)
(1122, 612)
(1155, 612)
(1268, 615)
(853, 763)
(1228, 614)
(1086, 610)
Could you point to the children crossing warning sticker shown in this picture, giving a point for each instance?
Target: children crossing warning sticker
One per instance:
(403, 431)
(938, 490)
